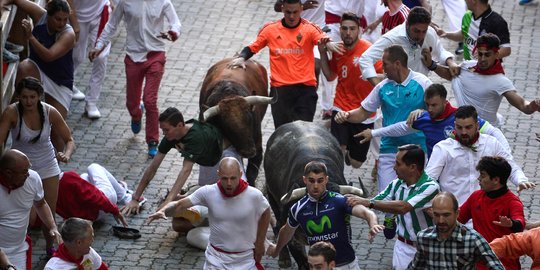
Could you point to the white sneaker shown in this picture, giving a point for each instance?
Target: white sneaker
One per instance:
(92, 111)
(77, 94)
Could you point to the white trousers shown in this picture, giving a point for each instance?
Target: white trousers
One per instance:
(87, 38)
(100, 177)
(216, 260)
(455, 9)
(17, 255)
(385, 171)
(403, 255)
(198, 237)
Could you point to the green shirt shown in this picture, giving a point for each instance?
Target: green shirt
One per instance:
(203, 144)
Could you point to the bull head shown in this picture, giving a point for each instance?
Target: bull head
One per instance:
(250, 100)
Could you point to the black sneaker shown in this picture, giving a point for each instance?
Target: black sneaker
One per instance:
(389, 227)
(459, 49)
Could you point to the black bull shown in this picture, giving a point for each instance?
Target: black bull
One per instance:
(288, 150)
(222, 101)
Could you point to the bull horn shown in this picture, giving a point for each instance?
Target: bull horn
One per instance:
(258, 100)
(350, 190)
(294, 195)
(212, 111)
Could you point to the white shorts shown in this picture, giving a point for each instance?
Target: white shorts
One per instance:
(60, 93)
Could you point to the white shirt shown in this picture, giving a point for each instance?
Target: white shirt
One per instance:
(454, 165)
(144, 20)
(484, 92)
(88, 10)
(233, 221)
(338, 7)
(398, 36)
(15, 210)
(315, 15)
(90, 261)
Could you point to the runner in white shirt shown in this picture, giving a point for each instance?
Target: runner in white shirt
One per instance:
(145, 60)
(453, 161)
(414, 36)
(482, 82)
(238, 216)
(20, 190)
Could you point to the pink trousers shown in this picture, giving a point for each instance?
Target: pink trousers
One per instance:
(150, 72)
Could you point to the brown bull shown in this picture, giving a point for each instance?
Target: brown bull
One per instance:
(222, 103)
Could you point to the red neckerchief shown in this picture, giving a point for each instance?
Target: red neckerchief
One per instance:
(242, 185)
(448, 110)
(4, 183)
(469, 145)
(63, 254)
(495, 69)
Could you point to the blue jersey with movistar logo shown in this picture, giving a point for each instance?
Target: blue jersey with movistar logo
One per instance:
(438, 130)
(326, 219)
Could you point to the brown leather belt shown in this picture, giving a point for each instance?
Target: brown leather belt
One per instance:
(406, 241)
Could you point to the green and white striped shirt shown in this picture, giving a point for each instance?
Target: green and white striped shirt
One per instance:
(419, 196)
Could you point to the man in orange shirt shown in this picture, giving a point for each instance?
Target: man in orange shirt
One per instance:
(351, 89)
(292, 77)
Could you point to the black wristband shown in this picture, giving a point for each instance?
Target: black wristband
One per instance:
(433, 65)
(246, 53)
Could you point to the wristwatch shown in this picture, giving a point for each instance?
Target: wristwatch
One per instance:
(433, 65)
(371, 203)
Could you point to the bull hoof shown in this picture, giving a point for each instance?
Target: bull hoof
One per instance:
(284, 263)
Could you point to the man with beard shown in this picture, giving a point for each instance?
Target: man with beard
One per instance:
(453, 160)
(437, 122)
(414, 36)
(349, 90)
(482, 83)
(449, 244)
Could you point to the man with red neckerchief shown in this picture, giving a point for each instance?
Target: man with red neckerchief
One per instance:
(76, 251)
(237, 232)
(482, 83)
